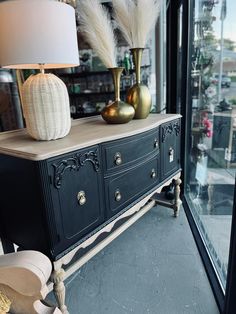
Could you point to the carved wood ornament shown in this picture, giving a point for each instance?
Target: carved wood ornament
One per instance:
(74, 163)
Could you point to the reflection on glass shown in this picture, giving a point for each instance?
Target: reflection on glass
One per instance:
(10, 108)
(212, 162)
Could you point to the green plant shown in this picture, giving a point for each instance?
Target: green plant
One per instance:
(232, 101)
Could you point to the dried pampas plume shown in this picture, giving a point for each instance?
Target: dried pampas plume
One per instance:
(135, 19)
(95, 23)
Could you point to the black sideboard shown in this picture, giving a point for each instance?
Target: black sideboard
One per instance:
(60, 196)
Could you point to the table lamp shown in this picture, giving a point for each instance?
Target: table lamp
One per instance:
(40, 35)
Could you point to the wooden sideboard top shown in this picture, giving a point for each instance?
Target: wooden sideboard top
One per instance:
(84, 132)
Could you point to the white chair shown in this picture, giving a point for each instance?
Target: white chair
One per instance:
(23, 280)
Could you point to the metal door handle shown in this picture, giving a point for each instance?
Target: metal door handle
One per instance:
(118, 159)
(153, 174)
(81, 197)
(156, 143)
(117, 195)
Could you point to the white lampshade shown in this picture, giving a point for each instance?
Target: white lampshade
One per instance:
(40, 34)
(34, 32)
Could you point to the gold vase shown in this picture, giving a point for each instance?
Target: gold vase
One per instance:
(139, 95)
(118, 111)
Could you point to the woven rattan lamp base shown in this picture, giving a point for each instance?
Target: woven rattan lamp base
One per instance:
(46, 107)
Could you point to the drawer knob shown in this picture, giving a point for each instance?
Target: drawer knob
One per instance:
(117, 196)
(156, 143)
(81, 197)
(118, 159)
(153, 174)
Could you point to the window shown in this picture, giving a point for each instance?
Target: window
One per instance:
(211, 135)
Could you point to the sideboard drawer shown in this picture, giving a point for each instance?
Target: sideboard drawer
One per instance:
(120, 154)
(123, 189)
(76, 194)
(170, 148)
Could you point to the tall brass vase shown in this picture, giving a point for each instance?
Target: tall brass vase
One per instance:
(118, 111)
(139, 95)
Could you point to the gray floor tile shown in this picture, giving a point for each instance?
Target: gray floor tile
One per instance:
(153, 267)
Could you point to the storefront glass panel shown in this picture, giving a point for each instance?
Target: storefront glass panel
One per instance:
(211, 163)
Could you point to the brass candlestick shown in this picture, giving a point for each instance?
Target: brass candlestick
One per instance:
(118, 111)
(139, 95)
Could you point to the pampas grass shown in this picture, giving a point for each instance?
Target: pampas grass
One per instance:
(95, 23)
(135, 19)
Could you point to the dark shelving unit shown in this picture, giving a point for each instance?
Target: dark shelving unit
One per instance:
(89, 90)
(94, 90)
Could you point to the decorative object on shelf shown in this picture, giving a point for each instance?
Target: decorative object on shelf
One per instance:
(36, 35)
(5, 303)
(126, 62)
(5, 77)
(118, 111)
(135, 19)
(96, 25)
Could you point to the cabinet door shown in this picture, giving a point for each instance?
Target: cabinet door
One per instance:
(170, 148)
(77, 194)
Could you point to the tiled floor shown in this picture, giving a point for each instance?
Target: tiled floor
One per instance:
(153, 267)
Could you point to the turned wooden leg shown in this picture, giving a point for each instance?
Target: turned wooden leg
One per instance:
(177, 201)
(59, 289)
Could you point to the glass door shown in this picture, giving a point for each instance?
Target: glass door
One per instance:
(211, 152)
